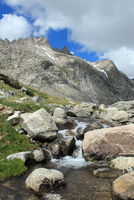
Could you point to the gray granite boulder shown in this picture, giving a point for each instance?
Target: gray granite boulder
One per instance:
(40, 125)
(41, 179)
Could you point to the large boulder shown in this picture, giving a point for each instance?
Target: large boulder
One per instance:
(122, 162)
(112, 114)
(123, 186)
(83, 109)
(59, 116)
(42, 179)
(39, 125)
(109, 142)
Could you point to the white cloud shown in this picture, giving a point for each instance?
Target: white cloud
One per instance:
(123, 58)
(101, 25)
(13, 27)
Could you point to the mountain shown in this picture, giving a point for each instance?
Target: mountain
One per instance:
(33, 62)
(64, 50)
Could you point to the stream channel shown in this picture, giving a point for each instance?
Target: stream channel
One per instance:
(81, 184)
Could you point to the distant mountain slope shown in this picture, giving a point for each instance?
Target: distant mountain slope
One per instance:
(33, 62)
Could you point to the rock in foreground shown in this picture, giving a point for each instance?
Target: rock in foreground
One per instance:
(109, 142)
(42, 179)
(123, 186)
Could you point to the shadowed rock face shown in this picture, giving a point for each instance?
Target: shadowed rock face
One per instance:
(33, 62)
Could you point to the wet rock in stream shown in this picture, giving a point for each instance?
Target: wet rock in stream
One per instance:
(42, 180)
(62, 147)
(80, 185)
(107, 173)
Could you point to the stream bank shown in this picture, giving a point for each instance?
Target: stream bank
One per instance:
(81, 184)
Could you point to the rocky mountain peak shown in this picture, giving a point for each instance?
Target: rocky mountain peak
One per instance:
(64, 50)
(107, 65)
(33, 62)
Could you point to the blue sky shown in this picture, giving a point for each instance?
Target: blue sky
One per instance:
(60, 38)
(92, 29)
(57, 38)
(4, 9)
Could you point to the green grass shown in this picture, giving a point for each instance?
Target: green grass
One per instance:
(10, 168)
(11, 142)
(27, 106)
(47, 98)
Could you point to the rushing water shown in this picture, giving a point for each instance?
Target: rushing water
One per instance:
(81, 184)
(73, 162)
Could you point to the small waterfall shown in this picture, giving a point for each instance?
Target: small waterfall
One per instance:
(73, 162)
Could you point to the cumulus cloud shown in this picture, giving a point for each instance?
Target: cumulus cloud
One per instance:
(123, 58)
(13, 27)
(101, 25)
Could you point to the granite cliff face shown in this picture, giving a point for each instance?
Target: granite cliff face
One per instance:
(33, 62)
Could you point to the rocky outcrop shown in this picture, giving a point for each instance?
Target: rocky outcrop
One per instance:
(64, 50)
(39, 125)
(10, 81)
(43, 179)
(33, 62)
(123, 186)
(109, 142)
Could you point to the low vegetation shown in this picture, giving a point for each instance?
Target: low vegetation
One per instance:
(10, 168)
(10, 140)
(13, 101)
